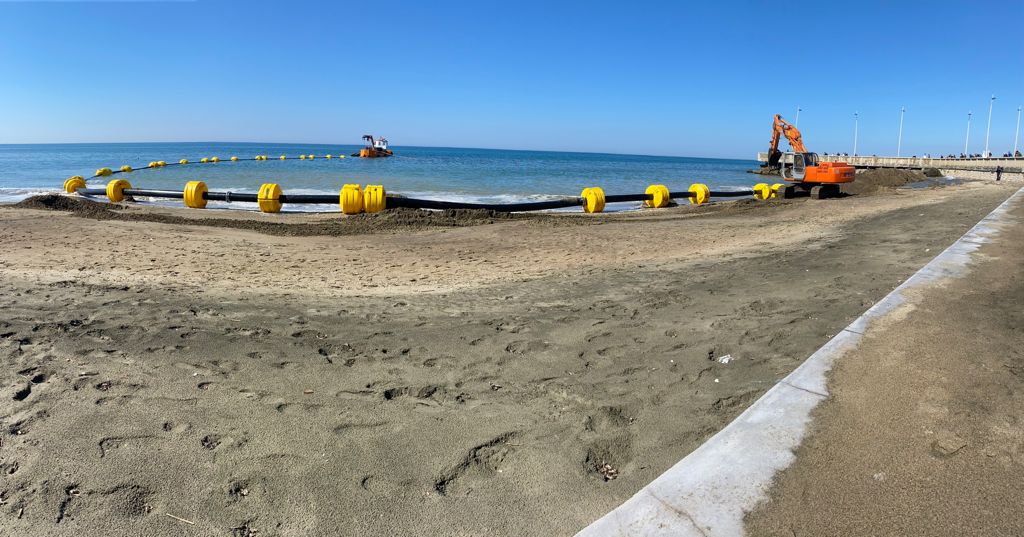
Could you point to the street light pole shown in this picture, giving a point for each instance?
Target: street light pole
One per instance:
(899, 142)
(797, 122)
(968, 139)
(1016, 133)
(855, 118)
(989, 128)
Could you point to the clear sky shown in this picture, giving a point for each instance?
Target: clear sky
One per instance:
(667, 78)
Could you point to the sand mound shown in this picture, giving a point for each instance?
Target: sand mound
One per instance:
(57, 202)
(881, 180)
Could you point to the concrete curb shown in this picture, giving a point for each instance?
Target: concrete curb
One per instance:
(709, 491)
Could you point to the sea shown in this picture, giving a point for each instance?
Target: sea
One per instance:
(442, 173)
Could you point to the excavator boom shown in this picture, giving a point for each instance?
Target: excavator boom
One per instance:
(779, 126)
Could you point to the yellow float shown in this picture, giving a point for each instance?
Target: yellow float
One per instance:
(701, 194)
(194, 191)
(269, 198)
(73, 184)
(374, 199)
(351, 199)
(659, 196)
(116, 188)
(593, 199)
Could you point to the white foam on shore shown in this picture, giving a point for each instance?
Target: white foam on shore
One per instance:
(14, 195)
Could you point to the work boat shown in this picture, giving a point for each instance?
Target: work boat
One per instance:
(375, 148)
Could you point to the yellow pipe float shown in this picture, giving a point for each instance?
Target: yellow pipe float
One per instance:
(593, 199)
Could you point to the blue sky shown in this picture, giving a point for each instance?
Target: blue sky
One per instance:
(668, 78)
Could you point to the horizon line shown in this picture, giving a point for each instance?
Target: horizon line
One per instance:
(358, 145)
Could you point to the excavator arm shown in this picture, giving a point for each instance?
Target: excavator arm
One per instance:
(779, 126)
(779, 129)
(773, 149)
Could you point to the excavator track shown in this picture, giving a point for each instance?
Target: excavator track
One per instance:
(821, 192)
(812, 190)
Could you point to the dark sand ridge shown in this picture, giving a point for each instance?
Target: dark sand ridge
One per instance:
(923, 432)
(491, 382)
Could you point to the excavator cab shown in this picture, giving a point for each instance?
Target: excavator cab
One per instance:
(806, 173)
(794, 166)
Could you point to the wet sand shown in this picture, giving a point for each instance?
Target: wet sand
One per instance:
(485, 377)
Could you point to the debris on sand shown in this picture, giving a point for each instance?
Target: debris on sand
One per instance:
(608, 471)
(179, 519)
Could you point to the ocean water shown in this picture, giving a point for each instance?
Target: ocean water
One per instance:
(485, 175)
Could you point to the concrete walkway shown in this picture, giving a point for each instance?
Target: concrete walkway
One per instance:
(924, 431)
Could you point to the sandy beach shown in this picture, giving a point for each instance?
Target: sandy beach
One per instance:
(921, 434)
(171, 371)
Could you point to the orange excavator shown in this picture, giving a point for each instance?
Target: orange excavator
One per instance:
(802, 168)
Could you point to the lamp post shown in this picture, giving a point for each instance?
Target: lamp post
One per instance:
(899, 141)
(797, 122)
(855, 118)
(988, 129)
(1016, 134)
(968, 139)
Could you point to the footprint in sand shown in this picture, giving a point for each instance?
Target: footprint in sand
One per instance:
(241, 489)
(425, 392)
(478, 465)
(9, 467)
(292, 408)
(609, 443)
(23, 393)
(384, 486)
(24, 426)
(217, 442)
(346, 427)
(134, 444)
(126, 500)
(525, 347)
(176, 427)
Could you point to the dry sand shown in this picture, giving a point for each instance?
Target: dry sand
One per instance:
(923, 434)
(512, 377)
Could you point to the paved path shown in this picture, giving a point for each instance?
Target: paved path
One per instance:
(924, 431)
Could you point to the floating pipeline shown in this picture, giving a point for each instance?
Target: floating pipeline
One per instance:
(107, 172)
(354, 199)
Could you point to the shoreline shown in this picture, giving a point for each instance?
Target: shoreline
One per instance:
(874, 177)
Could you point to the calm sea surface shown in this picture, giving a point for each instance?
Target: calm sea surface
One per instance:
(432, 172)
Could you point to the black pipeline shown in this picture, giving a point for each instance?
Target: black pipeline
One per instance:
(354, 199)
